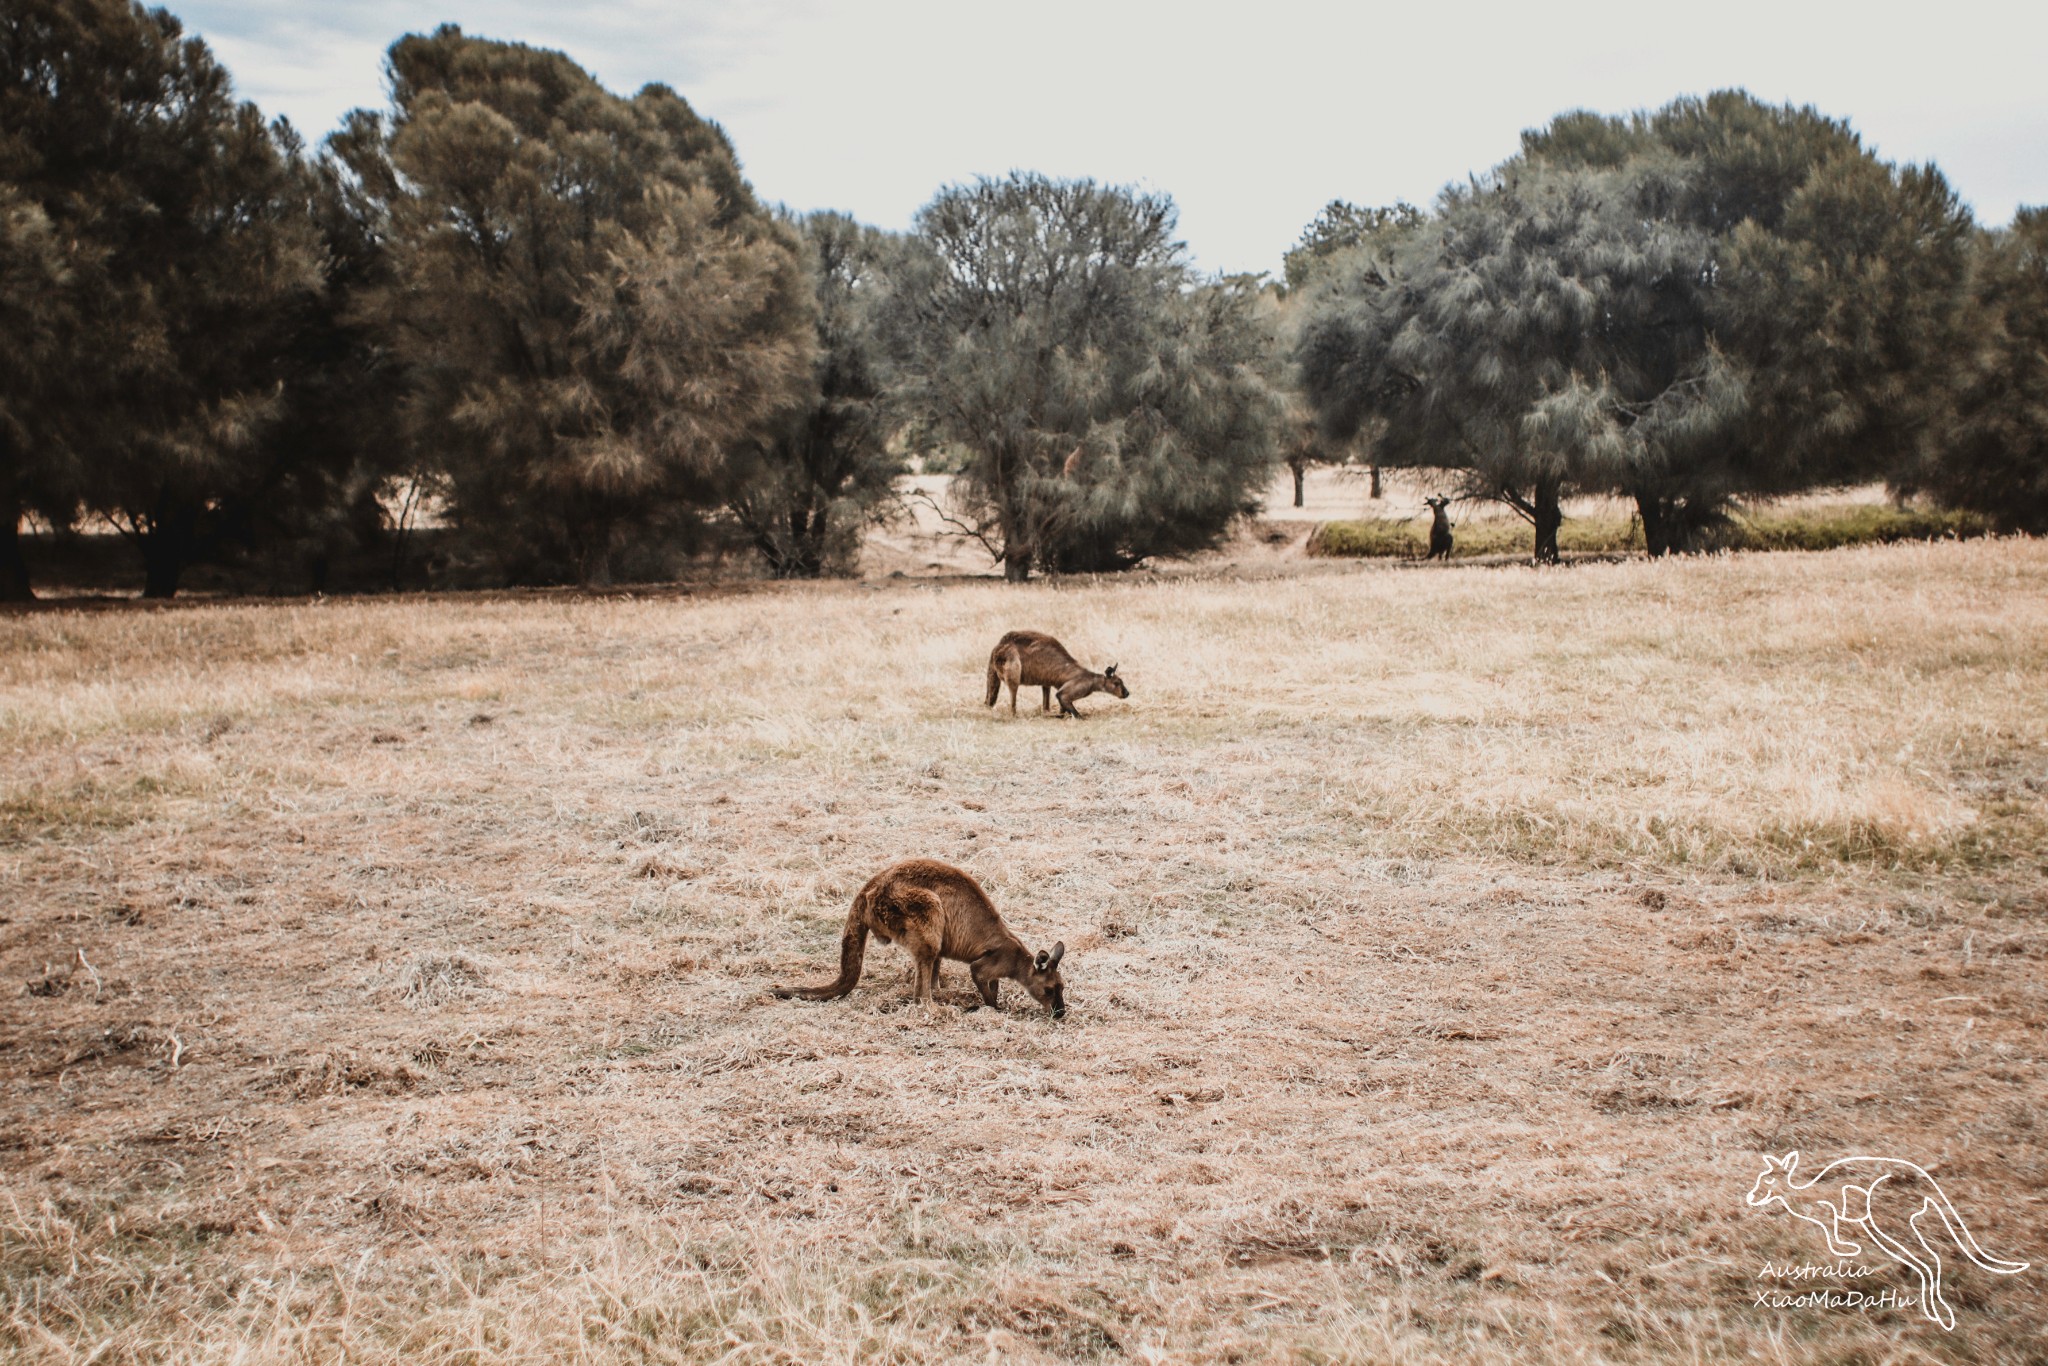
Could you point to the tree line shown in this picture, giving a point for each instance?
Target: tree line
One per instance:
(564, 319)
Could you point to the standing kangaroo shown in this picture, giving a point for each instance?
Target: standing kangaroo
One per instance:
(1439, 528)
(1865, 1189)
(1033, 659)
(937, 911)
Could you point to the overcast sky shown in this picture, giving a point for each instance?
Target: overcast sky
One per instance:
(1251, 115)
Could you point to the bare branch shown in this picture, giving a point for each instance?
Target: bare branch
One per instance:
(958, 527)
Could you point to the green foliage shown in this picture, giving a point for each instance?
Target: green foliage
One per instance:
(1341, 227)
(186, 252)
(1458, 339)
(589, 304)
(1830, 304)
(1719, 300)
(1111, 406)
(37, 470)
(824, 472)
(1993, 458)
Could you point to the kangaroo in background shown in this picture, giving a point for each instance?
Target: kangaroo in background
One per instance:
(937, 911)
(1033, 659)
(1870, 1190)
(1439, 528)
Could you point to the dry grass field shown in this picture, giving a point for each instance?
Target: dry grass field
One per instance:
(387, 981)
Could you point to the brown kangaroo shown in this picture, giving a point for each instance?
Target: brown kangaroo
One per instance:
(1033, 659)
(1439, 528)
(937, 911)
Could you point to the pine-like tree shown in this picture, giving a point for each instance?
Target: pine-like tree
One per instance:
(1820, 327)
(1719, 300)
(38, 470)
(806, 489)
(1110, 405)
(1342, 228)
(337, 442)
(1455, 336)
(590, 305)
(187, 248)
(1993, 459)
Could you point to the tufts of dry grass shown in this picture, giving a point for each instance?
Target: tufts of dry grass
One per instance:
(1445, 949)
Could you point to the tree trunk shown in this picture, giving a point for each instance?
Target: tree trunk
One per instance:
(167, 545)
(1656, 528)
(1675, 526)
(1375, 480)
(14, 580)
(1017, 549)
(1299, 472)
(596, 568)
(1549, 516)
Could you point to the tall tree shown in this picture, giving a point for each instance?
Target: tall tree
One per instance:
(1455, 337)
(1110, 405)
(590, 305)
(806, 489)
(1719, 300)
(187, 247)
(1817, 328)
(337, 443)
(1993, 458)
(36, 472)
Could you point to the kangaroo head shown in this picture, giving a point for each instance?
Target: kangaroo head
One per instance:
(1042, 979)
(1771, 1183)
(1111, 683)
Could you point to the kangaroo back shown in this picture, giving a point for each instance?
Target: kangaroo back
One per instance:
(1043, 660)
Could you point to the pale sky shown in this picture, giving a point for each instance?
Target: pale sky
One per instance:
(1251, 115)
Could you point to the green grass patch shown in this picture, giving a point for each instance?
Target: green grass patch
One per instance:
(1862, 524)
(1826, 528)
(1410, 539)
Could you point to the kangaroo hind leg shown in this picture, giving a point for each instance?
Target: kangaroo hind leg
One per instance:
(1925, 1264)
(1013, 675)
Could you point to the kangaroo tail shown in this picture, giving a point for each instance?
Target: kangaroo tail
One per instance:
(853, 946)
(1960, 1231)
(995, 684)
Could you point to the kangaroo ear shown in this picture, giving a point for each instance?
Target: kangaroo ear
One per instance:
(1110, 672)
(1059, 950)
(1040, 961)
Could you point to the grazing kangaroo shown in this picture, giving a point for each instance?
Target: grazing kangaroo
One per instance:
(1439, 528)
(1033, 659)
(937, 911)
(1866, 1188)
